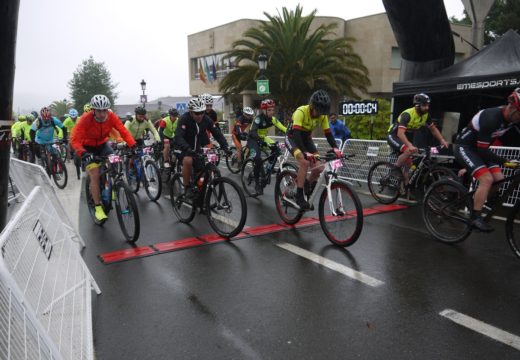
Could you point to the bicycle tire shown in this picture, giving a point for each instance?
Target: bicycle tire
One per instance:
(59, 173)
(247, 178)
(131, 175)
(383, 186)
(152, 180)
(285, 197)
(129, 210)
(185, 211)
(232, 162)
(344, 228)
(447, 210)
(513, 229)
(225, 194)
(437, 173)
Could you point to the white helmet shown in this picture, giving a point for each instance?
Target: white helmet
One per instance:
(196, 104)
(100, 102)
(207, 98)
(248, 111)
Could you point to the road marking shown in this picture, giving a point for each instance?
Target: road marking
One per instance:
(481, 327)
(351, 273)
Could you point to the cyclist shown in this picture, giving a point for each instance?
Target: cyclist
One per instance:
(299, 141)
(190, 137)
(138, 126)
(43, 132)
(167, 128)
(86, 108)
(408, 122)
(258, 138)
(90, 136)
(23, 133)
(14, 128)
(212, 114)
(472, 151)
(238, 133)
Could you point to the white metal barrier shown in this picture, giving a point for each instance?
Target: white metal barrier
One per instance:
(46, 284)
(27, 176)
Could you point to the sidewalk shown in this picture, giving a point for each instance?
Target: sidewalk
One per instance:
(70, 196)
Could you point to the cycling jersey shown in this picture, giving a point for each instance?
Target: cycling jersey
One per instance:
(261, 125)
(303, 121)
(89, 132)
(168, 126)
(138, 128)
(191, 136)
(45, 130)
(241, 124)
(23, 131)
(69, 123)
(410, 120)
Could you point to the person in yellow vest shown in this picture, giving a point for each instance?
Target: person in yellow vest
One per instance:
(15, 144)
(22, 134)
(408, 122)
(167, 127)
(69, 123)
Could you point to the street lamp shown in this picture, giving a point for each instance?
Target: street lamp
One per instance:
(262, 64)
(143, 97)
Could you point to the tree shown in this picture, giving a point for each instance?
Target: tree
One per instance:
(60, 107)
(89, 79)
(502, 16)
(299, 61)
(360, 125)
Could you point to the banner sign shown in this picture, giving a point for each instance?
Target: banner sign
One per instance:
(262, 87)
(365, 107)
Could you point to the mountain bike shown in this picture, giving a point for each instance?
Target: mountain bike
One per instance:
(233, 164)
(174, 165)
(339, 208)
(448, 209)
(141, 168)
(115, 190)
(219, 198)
(386, 181)
(56, 168)
(247, 175)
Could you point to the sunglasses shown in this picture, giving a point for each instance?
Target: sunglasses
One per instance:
(198, 113)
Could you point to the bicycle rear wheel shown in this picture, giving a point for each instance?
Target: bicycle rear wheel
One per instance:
(384, 182)
(59, 172)
(285, 197)
(131, 174)
(247, 177)
(152, 180)
(226, 207)
(341, 216)
(127, 212)
(183, 209)
(513, 229)
(232, 162)
(435, 174)
(447, 210)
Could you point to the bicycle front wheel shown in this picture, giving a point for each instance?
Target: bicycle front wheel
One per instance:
(384, 182)
(513, 229)
(127, 212)
(152, 180)
(341, 215)
(232, 162)
(132, 174)
(182, 207)
(247, 177)
(226, 207)
(59, 173)
(447, 210)
(285, 197)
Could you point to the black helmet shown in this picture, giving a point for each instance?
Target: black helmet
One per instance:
(140, 110)
(320, 101)
(421, 99)
(173, 112)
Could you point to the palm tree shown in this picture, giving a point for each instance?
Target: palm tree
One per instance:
(299, 61)
(60, 107)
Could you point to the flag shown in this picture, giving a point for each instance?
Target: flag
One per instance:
(214, 69)
(206, 70)
(202, 75)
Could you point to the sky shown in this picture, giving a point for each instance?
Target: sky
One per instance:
(146, 39)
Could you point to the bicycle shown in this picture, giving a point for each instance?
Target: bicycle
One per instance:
(386, 181)
(247, 175)
(216, 196)
(233, 164)
(175, 166)
(56, 169)
(448, 210)
(141, 168)
(114, 189)
(340, 210)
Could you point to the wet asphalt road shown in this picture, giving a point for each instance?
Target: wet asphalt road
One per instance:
(252, 299)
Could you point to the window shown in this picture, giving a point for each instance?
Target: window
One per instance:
(396, 58)
(211, 67)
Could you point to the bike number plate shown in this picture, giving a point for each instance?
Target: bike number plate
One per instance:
(113, 158)
(336, 164)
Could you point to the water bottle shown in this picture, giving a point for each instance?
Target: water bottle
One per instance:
(105, 193)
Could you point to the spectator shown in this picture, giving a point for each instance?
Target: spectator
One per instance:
(339, 130)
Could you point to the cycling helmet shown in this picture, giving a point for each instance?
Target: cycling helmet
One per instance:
(421, 99)
(207, 98)
(21, 117)
(248, 111)
(196, 104)
(266, 104)
(140, 110)
(173, 112)
(34, 113)
(29, 117)
(514, 99)
(320, 101)
(100, 102)
(87, 107)
(45, 113)
(73, 113)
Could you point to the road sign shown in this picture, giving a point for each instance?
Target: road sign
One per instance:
(262, 87)
(365, 107)
(181, 107)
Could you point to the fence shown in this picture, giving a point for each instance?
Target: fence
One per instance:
(45, 285)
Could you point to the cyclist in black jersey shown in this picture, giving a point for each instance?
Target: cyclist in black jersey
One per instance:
(472, 150)
(190, 137)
